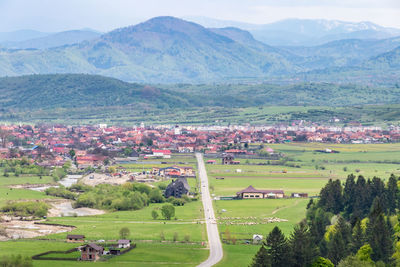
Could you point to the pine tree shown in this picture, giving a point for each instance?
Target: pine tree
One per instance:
(379, 237)
(360, 206)
(335, 248)
(391, 194)
(261, 259)
(377, 189)
(278, 248)
(317, 219)
(358, 237)
(349, 195)
(331, 198)
(302, 247)
(339, 244)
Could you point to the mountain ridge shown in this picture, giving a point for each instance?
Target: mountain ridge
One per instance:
(171, 50)
(305, 32)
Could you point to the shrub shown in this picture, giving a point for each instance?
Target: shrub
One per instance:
(178, 202)
(186, 198)
(162, 236)
(187, 238)
(162, 186)
(26, 208)
(170, 199)
(322, 262)
(16, 261)
(156, 196)
(154, 214)
(175, 237)
(168, 211)
(60, 192)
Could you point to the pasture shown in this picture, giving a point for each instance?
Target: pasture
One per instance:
(302, 169)
(7, 193)
(145, 254)
(140, 223)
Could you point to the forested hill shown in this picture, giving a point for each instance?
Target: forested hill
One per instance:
(80, 90)
(50, 91)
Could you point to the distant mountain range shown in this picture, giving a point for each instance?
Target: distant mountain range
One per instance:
(20, 35)
(304, 32)
(52, 40)
(172, 50)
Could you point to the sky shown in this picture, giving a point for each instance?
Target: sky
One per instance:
(105, 15)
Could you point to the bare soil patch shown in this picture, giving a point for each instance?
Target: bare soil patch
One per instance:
(16, 229)
(61, 207)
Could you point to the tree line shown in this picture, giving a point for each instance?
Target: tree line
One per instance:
(351, 224)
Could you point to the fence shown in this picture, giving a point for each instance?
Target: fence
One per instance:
(39, 256)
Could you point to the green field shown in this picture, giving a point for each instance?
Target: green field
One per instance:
(313, 172)
(145, 254)
(140, 224)
(7, 193)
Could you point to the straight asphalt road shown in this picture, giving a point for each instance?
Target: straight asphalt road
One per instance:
(214, 240)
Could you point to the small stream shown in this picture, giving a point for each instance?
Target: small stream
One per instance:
(70, 180)
(67, 182)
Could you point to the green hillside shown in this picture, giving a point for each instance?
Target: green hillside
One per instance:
(82, 98)
(34, 92)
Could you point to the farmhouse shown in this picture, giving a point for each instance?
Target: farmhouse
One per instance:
(75, 238)
(177, 188)
(229, 159)
(251, 192)
(257, 239)
(91, 252)
(124, 243)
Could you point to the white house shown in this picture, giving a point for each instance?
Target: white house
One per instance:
(257, 239)
(124, 243)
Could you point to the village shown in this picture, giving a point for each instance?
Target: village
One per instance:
(91, 146)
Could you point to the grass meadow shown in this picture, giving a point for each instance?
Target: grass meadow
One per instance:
(145, 254)
(313, 171)
(7, 193)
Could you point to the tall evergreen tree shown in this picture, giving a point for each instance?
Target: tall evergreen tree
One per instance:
(391, 194)
(349, 195)
(379, 237)
(261, 259)
(302, 247)
(357, 238)
(377, 189)
(331, 198)
(317, 219)
(278, 248)
(338, 246)
(360, 206)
